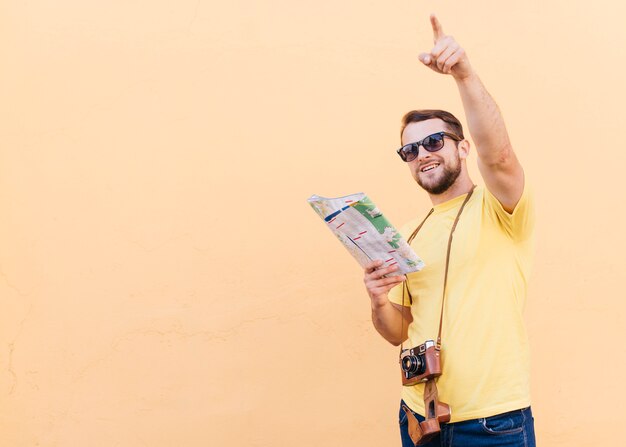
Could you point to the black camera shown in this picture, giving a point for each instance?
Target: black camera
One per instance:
(420, 363)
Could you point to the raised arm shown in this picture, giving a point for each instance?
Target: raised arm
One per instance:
(502, 172)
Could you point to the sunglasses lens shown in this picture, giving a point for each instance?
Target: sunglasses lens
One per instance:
(433, 143)
(408, 152)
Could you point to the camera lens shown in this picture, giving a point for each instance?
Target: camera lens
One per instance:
(413, 364)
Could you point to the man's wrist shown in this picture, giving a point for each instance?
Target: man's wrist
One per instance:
(380, 303)
(466, 78)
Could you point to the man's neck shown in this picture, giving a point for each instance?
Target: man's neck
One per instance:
(463, 185)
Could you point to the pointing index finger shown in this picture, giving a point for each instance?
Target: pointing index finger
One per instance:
(437, 28)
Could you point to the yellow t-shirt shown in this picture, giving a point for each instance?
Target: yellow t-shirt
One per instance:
(485, 355)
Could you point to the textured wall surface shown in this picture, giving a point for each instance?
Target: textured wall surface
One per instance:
(163, 281)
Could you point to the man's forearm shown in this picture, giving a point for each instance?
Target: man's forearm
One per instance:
(486, 124)
(388, 322)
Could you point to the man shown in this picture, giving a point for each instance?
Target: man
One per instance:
(484, 347)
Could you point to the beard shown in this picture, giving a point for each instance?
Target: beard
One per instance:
(444, 180)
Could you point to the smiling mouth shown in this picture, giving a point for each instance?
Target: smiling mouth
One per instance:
(429, 167)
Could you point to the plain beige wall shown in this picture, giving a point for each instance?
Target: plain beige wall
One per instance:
(163, 281)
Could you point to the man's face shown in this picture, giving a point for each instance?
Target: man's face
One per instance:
(433, 171)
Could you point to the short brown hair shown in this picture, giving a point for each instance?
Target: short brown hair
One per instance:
(414, 116)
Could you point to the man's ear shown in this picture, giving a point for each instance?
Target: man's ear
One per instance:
(464, 149)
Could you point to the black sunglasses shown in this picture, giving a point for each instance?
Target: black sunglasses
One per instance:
(432, 143)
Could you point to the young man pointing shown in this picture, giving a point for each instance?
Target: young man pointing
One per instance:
(477, 245)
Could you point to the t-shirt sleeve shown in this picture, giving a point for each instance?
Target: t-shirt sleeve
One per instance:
(519, 224)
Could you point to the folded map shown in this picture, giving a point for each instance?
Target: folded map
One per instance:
(365, 232)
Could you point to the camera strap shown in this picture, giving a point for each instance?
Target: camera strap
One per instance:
(405, 285)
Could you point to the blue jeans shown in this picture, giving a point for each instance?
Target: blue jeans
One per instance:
(514, 429)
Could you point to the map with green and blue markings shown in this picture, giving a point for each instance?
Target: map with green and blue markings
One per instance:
(363, 229)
